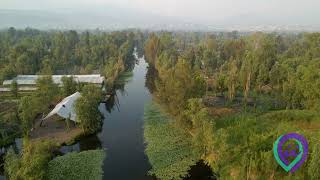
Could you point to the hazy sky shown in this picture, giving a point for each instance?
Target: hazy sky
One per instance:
(203, 10)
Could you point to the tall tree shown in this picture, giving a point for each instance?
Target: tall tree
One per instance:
(86, 107)
(14, 88)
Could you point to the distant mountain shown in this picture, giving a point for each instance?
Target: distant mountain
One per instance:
(114, 18)
(107, 18)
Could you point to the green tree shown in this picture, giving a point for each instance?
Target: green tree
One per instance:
(46, 67)
(12, 165)
(232, 79)
(32, 164)
(152, 48)
(27, 113)
(14, 88)
(86, 107)
(246, 72)
(69, 86)
(202, 126)
(35, 159)
(46, 91)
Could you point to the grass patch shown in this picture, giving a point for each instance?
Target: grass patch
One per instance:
(293, 115)
(169, 149)
(244, 141)
(77, 166)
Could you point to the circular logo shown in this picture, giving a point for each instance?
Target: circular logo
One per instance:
(290, 157)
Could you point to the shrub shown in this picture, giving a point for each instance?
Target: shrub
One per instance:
(77, 166)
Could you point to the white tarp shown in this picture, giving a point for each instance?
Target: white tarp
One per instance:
(32, 79)
(65, 108)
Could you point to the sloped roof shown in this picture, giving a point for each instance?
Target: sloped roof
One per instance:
(32, 79)
(65, 108)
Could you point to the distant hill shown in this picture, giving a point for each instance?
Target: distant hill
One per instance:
(65, 19)
(114, 18)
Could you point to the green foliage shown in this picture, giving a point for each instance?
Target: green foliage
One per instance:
(169, 148)
(152, 48)
(202, 126)
(113, 69)
(313, 169)
(31, 106)
(7, 72)
(8, 133)
(32, 51)
(265, 71)
(12, 164)
(27, 112)
(10, 126)
(176, 85)
(14, 88)
(86, 107)
(46, 91)
(73, 166)
(243, 144)
(32, 164)
(69, 86)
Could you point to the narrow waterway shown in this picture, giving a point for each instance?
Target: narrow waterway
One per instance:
(122, 132)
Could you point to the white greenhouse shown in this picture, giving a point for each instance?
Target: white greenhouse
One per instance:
(65, 109)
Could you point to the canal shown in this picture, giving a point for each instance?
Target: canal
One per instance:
(122, 132)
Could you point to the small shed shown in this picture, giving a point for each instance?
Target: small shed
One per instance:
(65, 108)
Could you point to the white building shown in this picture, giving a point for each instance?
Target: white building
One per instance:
(65, 109)
(30, 80)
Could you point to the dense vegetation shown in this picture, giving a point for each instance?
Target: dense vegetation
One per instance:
(223, 97)
(9, 123)
(234, 94)
(86, 108)
(84, 165)
(32, 51)
(32, 163)
(169, 148)
(35, 162)
(63, 52)
(46, 53)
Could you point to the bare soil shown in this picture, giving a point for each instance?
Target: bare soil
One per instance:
(56, 130)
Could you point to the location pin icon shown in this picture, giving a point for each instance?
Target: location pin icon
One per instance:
(301, 156)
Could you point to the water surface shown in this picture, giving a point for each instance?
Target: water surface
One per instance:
(122, 131)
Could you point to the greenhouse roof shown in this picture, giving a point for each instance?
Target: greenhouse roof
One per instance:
(32, 79)
(65, 108)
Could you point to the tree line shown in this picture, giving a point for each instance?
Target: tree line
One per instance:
(32, 51)
(274, 76)
(46, 53)
(280, 65)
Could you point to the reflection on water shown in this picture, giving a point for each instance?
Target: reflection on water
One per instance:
(86, 143)
(200, 171)
(122, 131)
(110, 104)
